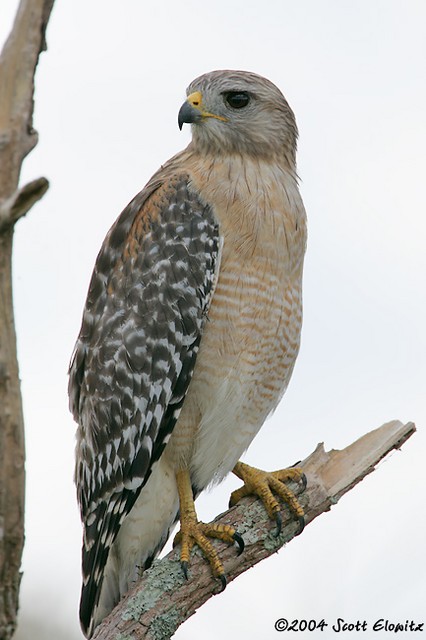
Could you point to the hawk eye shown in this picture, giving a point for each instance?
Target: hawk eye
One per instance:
(237, 99)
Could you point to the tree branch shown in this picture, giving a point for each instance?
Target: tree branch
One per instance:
(18, 62)
(163, 599)
(21, 202)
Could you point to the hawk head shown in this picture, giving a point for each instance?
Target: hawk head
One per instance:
(239, 112)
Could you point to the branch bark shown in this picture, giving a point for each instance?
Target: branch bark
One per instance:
(163, 599)
(18, 62)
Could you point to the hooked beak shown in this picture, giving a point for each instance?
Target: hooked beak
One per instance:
(189, 114)
(192, 111)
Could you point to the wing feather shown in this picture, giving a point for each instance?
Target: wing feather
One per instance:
(135, 355)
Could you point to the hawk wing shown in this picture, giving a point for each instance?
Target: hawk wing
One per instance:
(135, 355)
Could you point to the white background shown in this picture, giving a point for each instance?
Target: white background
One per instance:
(107, 95)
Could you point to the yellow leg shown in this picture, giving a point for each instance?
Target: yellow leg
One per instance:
(265, 484)
(194, 532)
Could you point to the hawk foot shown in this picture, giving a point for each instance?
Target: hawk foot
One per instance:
(192, 532)
(265, 484)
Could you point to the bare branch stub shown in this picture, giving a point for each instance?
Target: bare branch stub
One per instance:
(18, 62)
(163, 599)
(21, 202)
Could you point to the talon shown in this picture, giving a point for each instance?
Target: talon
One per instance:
(222, 579)
(196, 533)
(304, 482)
(240, 542)
(301, 521)
(184, 566)
(265, 484)
(279, 521)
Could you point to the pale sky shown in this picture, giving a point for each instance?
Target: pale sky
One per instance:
(107, 95)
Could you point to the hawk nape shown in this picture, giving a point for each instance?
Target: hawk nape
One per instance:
(189, 336)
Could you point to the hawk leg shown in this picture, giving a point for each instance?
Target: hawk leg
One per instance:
(265, 484)
(194, 532)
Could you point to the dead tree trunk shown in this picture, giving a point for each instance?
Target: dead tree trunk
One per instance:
(18, 63)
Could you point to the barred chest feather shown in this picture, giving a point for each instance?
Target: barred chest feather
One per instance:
(252, 335)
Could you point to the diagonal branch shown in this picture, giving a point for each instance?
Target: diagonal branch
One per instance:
(163, 600)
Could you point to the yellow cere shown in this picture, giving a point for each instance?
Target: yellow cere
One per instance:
(195, 99)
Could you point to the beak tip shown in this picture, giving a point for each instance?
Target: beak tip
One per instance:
(188, 114)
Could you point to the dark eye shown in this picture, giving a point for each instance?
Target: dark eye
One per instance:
(237, 99)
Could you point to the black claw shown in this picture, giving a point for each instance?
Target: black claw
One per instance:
(240, 542)
(304, 482)
(279, 521)
(184, 566)
(222, 578)
(301, 521)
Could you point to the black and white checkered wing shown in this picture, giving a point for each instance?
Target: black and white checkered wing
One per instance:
(135, 355)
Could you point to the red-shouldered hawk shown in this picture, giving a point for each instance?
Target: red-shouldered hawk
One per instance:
(189, 336)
